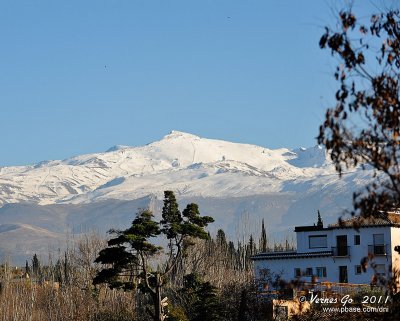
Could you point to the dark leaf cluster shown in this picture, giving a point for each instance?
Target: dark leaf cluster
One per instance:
(127, 257)
(363, 128)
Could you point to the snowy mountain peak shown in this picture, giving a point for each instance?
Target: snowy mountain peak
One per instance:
(39, 203)
(311, 157)
(117, 148)
(125, 172)
(178, 134)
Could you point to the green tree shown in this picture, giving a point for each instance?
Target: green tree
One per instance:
(320, 223)
(177, 313)
(221, 238)
(58, 275)
(244, 310)
(128, 255)
(263, 238)
(171, 216)
(27, 268)
(251, 247)
(202, 302)
(35, 266)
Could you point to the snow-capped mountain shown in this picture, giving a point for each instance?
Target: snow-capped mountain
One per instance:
(186, 163)
(227, 179)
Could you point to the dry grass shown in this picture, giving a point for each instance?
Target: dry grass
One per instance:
(24, 300)
(40, 298)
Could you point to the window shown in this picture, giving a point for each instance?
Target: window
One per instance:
(343, 274)
(357, 269)
(317, 241)
(309, 272)
(356, 239)
(321, 272)
(379, 239)
(380, 269)
(379, 247)
(297, 273)
(281, 312)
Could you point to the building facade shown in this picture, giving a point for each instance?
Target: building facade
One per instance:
(338, 253)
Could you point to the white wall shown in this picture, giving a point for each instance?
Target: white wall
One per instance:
(359, 252)
(286, 266)
(395, 240)
(303, 244)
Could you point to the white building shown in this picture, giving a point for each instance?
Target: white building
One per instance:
(336, 253)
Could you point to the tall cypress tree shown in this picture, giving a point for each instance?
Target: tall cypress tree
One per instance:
(232, 254)
(27, 268)
(263, 238)
(320, 223)
(221, 238)
(35, 265)
(66, 269)
(252, 245)
(58, 275)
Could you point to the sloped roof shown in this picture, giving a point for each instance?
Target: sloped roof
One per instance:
(288, 255)
(381, 219)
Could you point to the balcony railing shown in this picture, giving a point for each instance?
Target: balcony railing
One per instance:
(380, 249)
(341, 251)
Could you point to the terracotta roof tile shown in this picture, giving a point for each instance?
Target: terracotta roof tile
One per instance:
(390, 218)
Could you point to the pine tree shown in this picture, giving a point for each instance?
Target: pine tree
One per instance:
(128, 254)
(221, 238)
(27, 268)
(35, 266)
(171, 216)
(58, 272)
(320, 223)
(243, 307)
(202, 299)
(66, 269)
(252, 246)
(232, 254)
(263, 238)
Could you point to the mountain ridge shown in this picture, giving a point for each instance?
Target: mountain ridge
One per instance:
(54, 181)
(229, 181)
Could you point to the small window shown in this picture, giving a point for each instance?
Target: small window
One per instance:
(281, 312)
(297, 273)
(380, 269)
(356, 239)
(309, 272)
(321, 272)
(317, 241)
(379, 239)
(357, 269)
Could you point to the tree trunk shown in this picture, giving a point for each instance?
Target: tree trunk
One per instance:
(159, 314)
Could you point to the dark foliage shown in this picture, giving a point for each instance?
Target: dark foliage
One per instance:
(127, 256)
(364, 126)
(201, 299)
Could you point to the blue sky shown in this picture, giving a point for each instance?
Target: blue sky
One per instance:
(80, 76)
